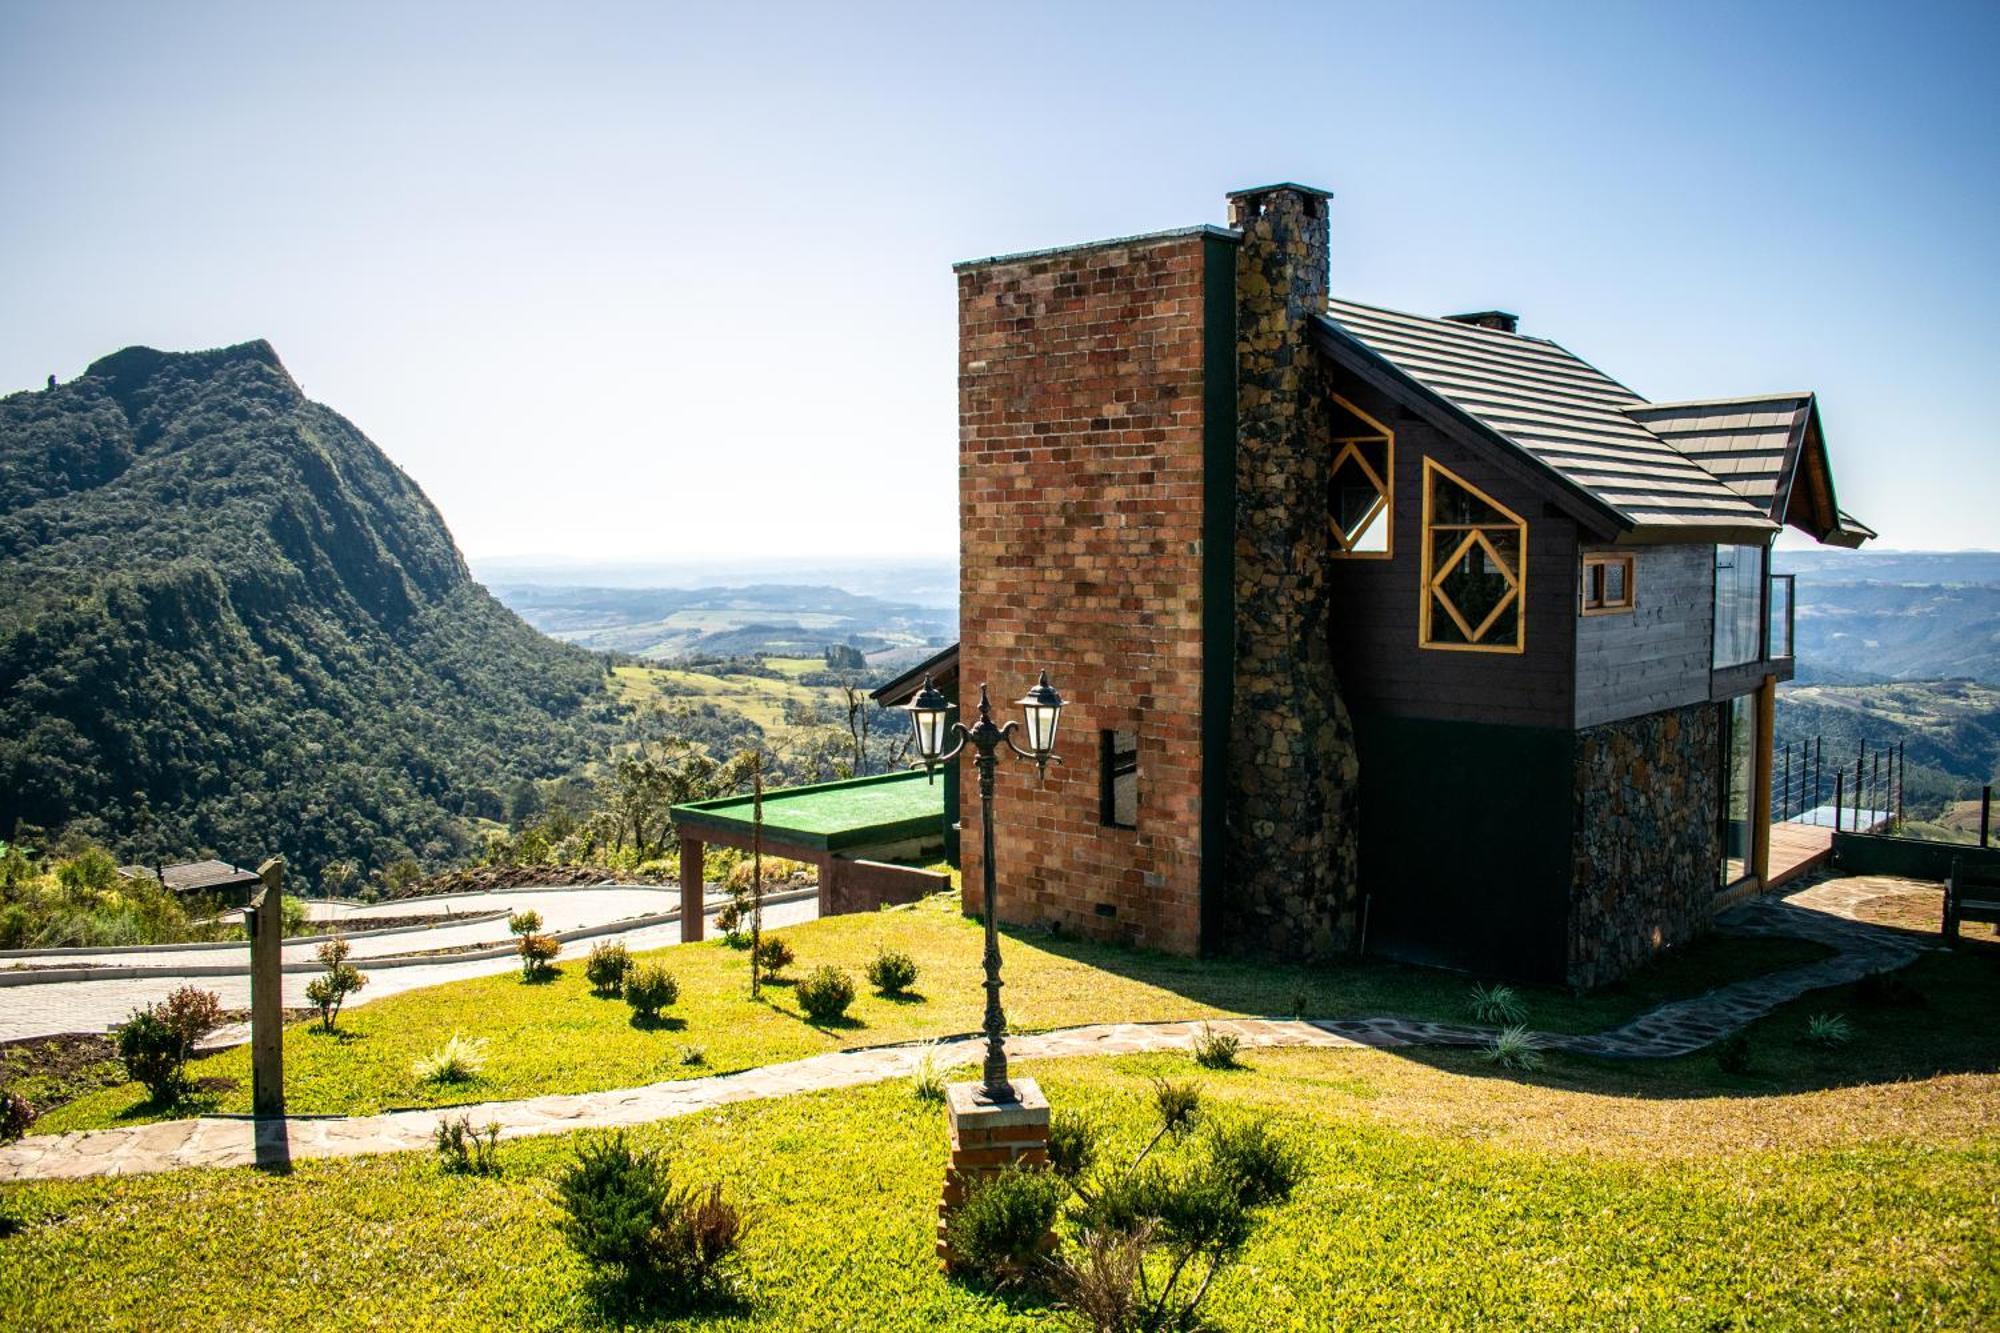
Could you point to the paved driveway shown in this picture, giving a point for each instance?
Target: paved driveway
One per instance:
(92, 1006)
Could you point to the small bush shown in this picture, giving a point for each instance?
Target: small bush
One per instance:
(458, 1060)
(626, 1213)
(693, 1055)
(1732, 1054)
(1498, 1005)
(1000, 1230)
(538, 955)
(17, 1113)
(729, 920)
(1302, 1003)
(1829, 1030)
(826, 993)
(528, 922)
(1514, 1048)
(1215, 1050)
(892, 972)
(1261, 1167)
(1072, 1144)
(650, 989)
(607, 967)
(774, 955)
(337, 980)
(156, 1042)
(1178, 1105)
(465, 1151)
(927, 1080)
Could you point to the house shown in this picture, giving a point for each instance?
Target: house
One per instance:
(228, 885)
(1382, 632)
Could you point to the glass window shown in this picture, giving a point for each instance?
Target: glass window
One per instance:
(1607, 584)
(1738, 774)
(1361, 501)
(1118, 779)
(1474, 568)
(1739, 604)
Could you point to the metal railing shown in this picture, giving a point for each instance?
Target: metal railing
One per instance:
(1859, 789)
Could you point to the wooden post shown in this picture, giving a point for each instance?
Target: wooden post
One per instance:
(266, 918)
(1839, 796)
(692, 881)
(1760, 781)
(756, 868)
(1985, 813)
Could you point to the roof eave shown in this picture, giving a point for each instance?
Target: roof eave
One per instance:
(1605, 521)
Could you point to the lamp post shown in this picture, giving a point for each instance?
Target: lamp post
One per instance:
(1043, 709)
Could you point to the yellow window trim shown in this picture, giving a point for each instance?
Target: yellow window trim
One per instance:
(1430, 586)
(1596, 559)
(1343, 545)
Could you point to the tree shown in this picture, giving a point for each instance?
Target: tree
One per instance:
(330, 989)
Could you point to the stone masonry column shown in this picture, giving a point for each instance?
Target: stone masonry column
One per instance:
(1293, 798)
(986, 1139)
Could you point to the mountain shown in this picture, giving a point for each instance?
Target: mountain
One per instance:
(1896, 615)
(229, 625)
(785, 619)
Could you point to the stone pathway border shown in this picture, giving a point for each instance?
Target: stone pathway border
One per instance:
(1822, 912)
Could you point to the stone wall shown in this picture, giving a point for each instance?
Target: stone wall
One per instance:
(1081, 510)
(1647, 845)
(1294, 775)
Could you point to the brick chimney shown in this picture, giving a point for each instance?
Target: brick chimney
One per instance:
(1293, 793)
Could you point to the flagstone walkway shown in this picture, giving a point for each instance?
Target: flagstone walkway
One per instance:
(1823, 912)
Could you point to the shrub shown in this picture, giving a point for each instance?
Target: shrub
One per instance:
(1178, 1105)
(1072, 1144)
(458, 1060)
(156, 1042)
(525, 922)
(927, 1080)
(463, 1150)
(826, 993)
(730, 919)
(1829, 1030)
(625, 1212)
(650, 989)
(291, 915)
(607, 967)
(538, 955)
(1215, 1050)
(892, 972)
(774, 955)
(1102, 1284)
(1498, 1005)
(1260, 1167)
(1302, 1003)
(338, 980)
(16, 1114)
(693, 1055)
(1001, 1228)
(1514, 1048)
(1732, 1054)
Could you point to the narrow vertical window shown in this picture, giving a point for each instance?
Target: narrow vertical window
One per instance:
(1361, 484)
(1607, 584)
(1474, 568)
(1118, 779)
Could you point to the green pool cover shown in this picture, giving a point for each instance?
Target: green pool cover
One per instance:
(833, 816)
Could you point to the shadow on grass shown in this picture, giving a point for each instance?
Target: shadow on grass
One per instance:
(843, 1023)
(658, 1023)
(338, 1035)
(196, 1098)
(624, 1301)
(902, 997)
(541, 976)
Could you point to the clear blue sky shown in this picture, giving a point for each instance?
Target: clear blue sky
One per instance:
(649, 282)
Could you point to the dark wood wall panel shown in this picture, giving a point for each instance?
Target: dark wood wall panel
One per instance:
(1656, 656)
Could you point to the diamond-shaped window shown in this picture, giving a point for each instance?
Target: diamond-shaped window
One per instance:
(1475, 570)
(1360, 484)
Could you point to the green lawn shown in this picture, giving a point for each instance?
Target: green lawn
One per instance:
(1417, 1211)
(558, 1037)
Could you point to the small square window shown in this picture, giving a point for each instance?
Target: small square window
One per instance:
(1607, 584)
(1118, 779)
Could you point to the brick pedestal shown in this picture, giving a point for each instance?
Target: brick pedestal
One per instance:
(986, 1138)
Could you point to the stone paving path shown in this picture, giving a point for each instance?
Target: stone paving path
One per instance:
(1822, 912)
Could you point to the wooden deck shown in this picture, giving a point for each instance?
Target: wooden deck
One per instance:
(1797, 849)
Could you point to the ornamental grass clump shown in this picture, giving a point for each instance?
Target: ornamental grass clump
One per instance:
(650, 989)
(825, 994)
(156, 1042)
(626, 1214)
(465, 1151)
(1514, 1048)
(607, 967)
(337, 980)
(1829, 1030)
(1215, 1050)
(892, 972)
(458, 1060)
(538, 956)
(1498, 1005)
(927, 1080)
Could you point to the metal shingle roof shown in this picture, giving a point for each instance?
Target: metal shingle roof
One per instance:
(1558, 409)
(1747, 442)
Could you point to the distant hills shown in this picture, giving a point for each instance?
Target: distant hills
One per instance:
(229, 624)
(1877, 616)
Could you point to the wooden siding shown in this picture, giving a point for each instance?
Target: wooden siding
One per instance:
(1655, 656)
(1376, 602)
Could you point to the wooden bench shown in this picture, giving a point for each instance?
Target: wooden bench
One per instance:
(1971, 894)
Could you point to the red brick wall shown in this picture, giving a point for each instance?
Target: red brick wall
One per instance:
(1080, 504)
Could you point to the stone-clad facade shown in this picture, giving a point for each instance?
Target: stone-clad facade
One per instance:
(1294, 772)
(1081, 509)
(1648, 839)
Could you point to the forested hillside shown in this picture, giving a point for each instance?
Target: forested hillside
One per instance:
(229, 624)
